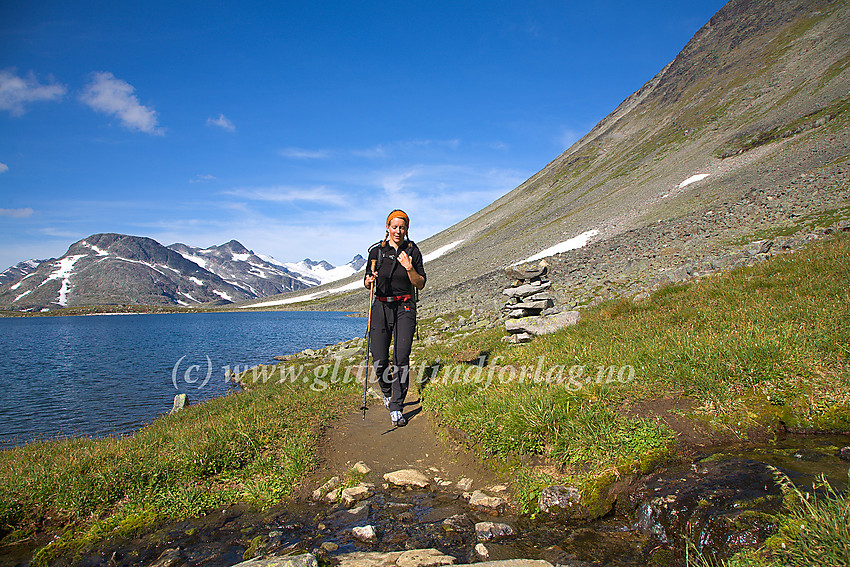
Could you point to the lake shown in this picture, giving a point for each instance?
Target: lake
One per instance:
(112, 374)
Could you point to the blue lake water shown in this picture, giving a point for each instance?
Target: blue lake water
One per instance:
(112, 374)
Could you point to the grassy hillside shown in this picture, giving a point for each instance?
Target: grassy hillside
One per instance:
(725, 358)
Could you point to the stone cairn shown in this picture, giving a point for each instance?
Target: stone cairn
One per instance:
(528, 296)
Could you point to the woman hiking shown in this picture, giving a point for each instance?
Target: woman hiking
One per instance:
(395, 267)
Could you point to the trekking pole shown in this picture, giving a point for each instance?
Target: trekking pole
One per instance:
(368, 343)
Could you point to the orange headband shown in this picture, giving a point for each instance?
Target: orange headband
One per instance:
(398, 214)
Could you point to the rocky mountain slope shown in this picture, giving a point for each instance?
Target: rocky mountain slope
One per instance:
(107, 269)
(743, 135)
(18, 271)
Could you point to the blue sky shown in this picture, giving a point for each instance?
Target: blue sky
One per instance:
(295, 127)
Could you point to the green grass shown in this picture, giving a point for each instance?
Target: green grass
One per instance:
(249, 447)
(750, 348)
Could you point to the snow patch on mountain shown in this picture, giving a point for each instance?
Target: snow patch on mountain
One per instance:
(440, 251)
(347, 287)
(565, 246)
(63, 272)
(693, 179)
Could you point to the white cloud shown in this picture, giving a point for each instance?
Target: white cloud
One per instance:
(282, 194)
(16, 92)
(203, 178)
(299, 153)
(3, 168)
(115, 97)
(16, 213)
(222, 122)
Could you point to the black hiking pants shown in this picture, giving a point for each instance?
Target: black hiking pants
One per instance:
(393, 321)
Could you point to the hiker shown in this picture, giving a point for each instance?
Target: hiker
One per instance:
(395, 266)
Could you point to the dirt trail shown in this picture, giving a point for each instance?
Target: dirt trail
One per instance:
(385, 448)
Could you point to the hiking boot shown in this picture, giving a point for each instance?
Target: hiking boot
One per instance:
(398, 419)
(386, 402)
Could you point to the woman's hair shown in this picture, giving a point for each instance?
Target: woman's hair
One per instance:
(395, 214)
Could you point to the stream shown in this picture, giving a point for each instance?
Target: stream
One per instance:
(707, 497)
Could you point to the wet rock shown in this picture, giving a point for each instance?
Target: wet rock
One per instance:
(408, 477)
(354, 494)
(492, 531)
(490, 504)
(512, 563)
(305, 560)
(355, 515)
(411, 558)
(366, 534)
(424, 558)
(329, 546)
(333, 495)
(561, 501)
(458, 523)
(481, 551)
(168, 558)
(330, 485)
(367, 559)
(464, 484)
(721, 506)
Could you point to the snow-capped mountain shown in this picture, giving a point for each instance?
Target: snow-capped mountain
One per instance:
(321, 272)
(239, 266)
(18, 271)
(108, 269)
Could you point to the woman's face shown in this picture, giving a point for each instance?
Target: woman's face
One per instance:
(397, 230)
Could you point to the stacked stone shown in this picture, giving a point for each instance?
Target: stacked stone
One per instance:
(528, 296)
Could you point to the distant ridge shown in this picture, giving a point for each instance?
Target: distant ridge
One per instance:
(118, 269)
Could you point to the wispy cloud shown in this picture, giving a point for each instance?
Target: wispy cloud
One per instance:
(283, 194)
(222, 122)
(378, 151)
(3, 168)
(203, 178)
(300, 153)
(115, 97)
(16, 213)
(406, 146)
(16, 92)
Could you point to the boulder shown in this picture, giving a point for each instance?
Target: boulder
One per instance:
(180, 402)
(543, 325)
(492, 531)
(559, 500)
(490, 504)
(304, 560)
(424, 558)
(366, 534)
(723, 505)
(408, 477)
(354, 494)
